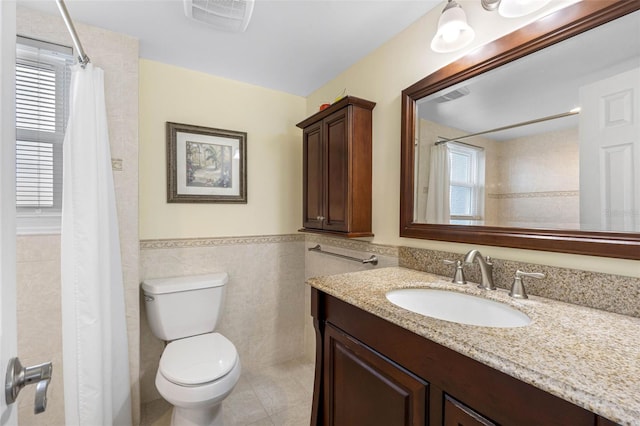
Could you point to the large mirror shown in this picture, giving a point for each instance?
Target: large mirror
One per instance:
(532, 144)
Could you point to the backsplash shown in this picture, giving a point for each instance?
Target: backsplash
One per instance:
(612, 293)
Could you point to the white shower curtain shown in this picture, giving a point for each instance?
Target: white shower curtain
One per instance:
(438, 210)
(95, 352)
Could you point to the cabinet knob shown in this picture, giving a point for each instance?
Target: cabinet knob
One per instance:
(320, 218)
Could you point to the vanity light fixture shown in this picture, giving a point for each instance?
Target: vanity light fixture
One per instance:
(453, 31)
(514, 8)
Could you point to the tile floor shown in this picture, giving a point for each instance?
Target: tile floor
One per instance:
(274, 396)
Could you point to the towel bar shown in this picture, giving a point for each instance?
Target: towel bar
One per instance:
(373, 259)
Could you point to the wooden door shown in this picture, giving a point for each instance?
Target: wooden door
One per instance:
(337, 153)
(362, 388)
(313, 177)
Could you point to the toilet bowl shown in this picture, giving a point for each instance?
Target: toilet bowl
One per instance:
(195, 375)
(198, 367)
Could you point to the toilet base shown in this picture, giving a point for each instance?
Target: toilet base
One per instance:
(204, 416)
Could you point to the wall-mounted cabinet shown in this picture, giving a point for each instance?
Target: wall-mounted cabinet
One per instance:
(337, 168)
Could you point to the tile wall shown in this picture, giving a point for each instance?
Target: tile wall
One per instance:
(317, 264)
(39, 322)
(266, 312)
(535, 188)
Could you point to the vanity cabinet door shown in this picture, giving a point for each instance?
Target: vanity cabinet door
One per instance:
(363, 388)
(458, 414)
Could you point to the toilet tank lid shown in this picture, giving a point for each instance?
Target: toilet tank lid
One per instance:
(186, 283)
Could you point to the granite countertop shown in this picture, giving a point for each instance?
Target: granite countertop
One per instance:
(586, 356)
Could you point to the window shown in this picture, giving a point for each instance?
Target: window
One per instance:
(42, 92)
(466, 182)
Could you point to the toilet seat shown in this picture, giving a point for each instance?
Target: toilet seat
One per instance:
(198, 360)
(199, 353)
(207, 394)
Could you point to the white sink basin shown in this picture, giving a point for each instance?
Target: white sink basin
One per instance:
(458, 307)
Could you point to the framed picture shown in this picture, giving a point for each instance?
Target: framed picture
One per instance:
(206, 165)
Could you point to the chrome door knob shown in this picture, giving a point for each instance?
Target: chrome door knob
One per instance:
(19, 377)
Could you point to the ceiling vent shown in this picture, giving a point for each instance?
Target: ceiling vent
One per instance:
(226, 15)
(454, 94)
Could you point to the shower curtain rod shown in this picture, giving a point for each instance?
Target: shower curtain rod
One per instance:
(513, 126)
(442, 140)
(83, 59)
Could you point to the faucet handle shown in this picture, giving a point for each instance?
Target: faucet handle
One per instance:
(517, 288)
(458, 275)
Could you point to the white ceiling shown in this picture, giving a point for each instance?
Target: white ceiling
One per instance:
(294, 46)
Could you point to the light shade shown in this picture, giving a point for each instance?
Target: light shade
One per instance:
(453, 31)
(517, 8)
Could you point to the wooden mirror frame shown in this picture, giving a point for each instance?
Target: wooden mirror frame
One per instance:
(545, 32)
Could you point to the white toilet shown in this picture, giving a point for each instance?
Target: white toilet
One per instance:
(198, 368)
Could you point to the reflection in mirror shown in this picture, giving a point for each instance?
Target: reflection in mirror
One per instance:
(566, 155)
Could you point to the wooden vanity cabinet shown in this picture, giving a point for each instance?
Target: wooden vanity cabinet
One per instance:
(337, 155)
(367, 367)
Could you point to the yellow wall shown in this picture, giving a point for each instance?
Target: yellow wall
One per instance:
(274, 159)
(380, 77)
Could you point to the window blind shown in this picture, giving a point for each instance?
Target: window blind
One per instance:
(42, 92)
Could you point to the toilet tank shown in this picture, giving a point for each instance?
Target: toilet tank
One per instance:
(184, 306)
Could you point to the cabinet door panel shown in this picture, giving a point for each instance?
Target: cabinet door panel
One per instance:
(313, 177)
(337, 154)
(365, 389)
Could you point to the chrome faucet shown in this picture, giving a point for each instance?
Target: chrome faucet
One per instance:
(486, 268)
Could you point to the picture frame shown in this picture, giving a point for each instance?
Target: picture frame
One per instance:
(205, 165)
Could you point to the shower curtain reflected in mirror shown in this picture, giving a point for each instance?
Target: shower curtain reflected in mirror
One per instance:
(95, 351)
(438, 210)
